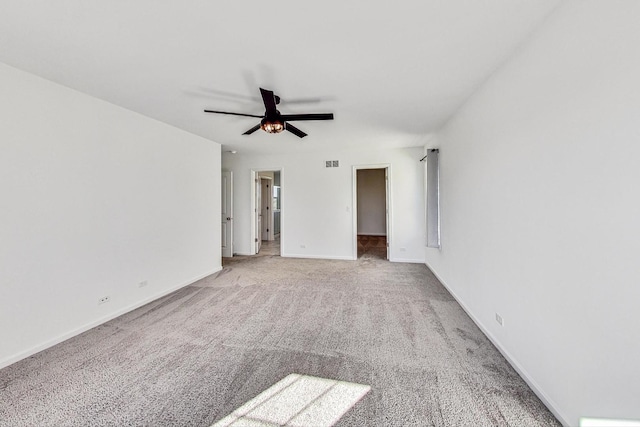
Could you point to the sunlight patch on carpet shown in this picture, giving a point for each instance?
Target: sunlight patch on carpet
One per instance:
(298, 400)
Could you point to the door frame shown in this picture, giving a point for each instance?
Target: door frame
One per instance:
(389, 199)
(227, 200)
(256, 233)
(258, 214)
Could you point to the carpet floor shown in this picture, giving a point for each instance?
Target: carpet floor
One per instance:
(193, 357)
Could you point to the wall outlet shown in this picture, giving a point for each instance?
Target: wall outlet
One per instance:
(104, 299)
(499, 319)
(143, 284)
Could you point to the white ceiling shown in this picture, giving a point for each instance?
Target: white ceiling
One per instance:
(391, 72)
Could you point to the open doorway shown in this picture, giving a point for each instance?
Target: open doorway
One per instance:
(371, 212)
(267, 211)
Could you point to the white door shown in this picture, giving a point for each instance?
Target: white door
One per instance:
(267, 217)
(258, 212)
(227, 214)
(386, 196)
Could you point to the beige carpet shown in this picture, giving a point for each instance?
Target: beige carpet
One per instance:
(196, 356)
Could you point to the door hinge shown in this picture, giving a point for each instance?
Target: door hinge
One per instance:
(256, 240)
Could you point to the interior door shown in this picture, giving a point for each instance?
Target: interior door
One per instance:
(267, 219)
(227, 214)
(258, 212)
(386, 196)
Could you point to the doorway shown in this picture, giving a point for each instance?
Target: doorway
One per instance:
(267, 211)
(372, 237)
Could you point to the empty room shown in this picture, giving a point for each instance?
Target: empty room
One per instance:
(338, 213)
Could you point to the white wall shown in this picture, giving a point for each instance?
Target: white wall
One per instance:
(93, 200)
(372, 202)
(266, 174)
(317, 202)
(541, 209)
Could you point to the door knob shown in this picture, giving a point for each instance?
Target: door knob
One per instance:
(228, 218)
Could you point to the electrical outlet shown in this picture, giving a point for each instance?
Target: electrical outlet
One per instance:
(303, 246)
(143, 284)
(499, 319)
(104, 299)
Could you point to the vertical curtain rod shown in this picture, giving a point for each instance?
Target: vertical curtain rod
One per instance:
(431, 151)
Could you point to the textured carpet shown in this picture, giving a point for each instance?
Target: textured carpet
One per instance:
(195, 356)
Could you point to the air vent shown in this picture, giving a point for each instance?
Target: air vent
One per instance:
(331, 163)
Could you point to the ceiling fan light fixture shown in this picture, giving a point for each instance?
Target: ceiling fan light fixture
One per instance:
(272, 126)
(274, 122)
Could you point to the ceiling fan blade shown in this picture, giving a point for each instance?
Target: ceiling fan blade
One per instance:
(233, 114)
(294, 130)
(252, 130)
(320, 116)
(269, 100)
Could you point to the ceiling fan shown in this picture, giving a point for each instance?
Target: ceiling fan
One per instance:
(274, 122)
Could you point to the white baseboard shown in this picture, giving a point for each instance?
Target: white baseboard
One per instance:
(407, 260)
(63, 337)
(348, 258)
(512, 361)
